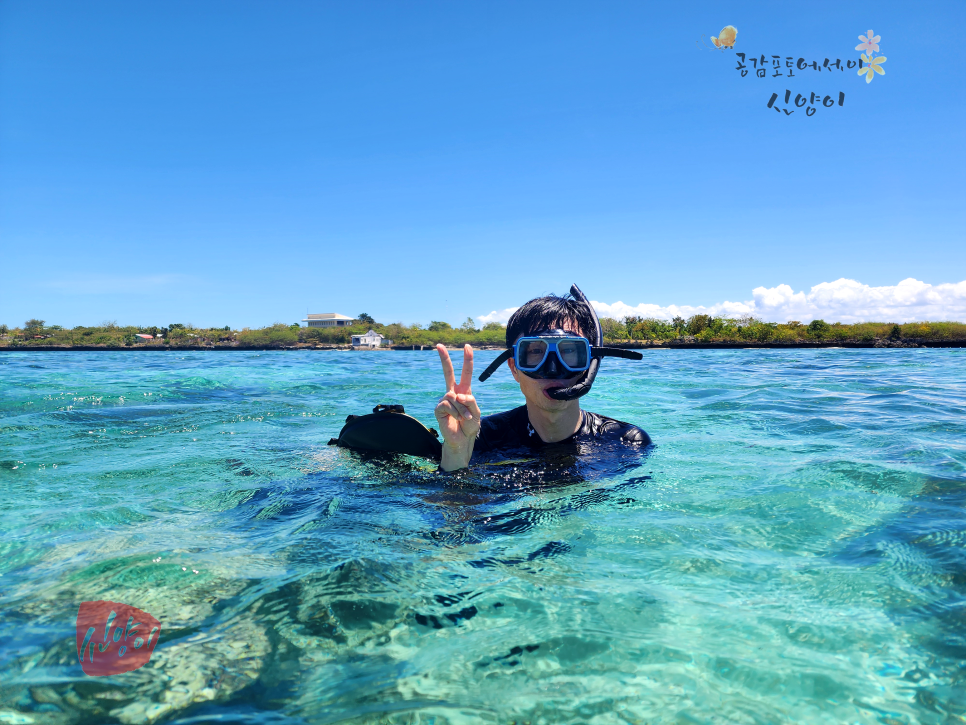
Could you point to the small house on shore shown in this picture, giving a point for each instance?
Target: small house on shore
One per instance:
(328, 319)
(370, 339)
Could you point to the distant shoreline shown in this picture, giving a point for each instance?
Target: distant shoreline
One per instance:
(699, 332)
(646, 345)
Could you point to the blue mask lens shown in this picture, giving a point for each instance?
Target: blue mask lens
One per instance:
(552, 356)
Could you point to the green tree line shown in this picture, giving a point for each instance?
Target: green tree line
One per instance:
(705, 328)
(698, 328)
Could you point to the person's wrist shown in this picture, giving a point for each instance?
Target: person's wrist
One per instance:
(455, 457)
(458, 447)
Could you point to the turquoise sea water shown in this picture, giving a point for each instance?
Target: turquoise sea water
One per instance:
(791, 550)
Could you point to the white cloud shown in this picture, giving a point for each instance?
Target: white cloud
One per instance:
(843, 300)
(620, 310)
(501, 316)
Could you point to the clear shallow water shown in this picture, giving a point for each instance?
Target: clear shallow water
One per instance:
(791, 551)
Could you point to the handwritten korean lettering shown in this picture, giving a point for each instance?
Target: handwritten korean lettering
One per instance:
(759, 65)
(810, 102)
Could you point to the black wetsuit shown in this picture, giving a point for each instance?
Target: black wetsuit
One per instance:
(512, 429)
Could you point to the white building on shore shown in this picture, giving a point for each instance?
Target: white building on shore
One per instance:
(328, 319)
(370, 339)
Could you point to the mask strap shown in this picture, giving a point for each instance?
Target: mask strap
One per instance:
(492, 368)
(615, 352)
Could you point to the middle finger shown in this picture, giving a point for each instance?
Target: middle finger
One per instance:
(448, 373)
(466, 374)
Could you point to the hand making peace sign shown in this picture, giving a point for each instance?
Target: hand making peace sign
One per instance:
(457, 412)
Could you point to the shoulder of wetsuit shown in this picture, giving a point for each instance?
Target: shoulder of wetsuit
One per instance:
(633, 434)
(596, 425)
(504, 418)
(389, 430)
(500, 430)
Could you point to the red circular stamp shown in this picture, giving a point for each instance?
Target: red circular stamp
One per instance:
(113, 638)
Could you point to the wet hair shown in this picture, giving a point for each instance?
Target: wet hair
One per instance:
(548, 313)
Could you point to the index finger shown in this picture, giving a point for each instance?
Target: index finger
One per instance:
(447, 367)
(466, 375)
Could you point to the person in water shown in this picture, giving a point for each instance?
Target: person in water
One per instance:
(554, 349)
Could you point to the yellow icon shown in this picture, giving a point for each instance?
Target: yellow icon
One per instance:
(726, 38)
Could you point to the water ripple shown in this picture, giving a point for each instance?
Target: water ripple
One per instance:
(791, 549)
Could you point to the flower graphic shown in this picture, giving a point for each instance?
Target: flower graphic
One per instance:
(872, 66)
(870, 43)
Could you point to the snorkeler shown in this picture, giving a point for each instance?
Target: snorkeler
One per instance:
(554, 348)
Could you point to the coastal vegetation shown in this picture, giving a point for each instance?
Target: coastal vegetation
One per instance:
(706, 329)
(695, 329)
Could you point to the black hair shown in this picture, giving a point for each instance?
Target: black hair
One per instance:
(548, 313)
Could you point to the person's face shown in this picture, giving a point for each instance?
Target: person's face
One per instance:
(535, 391)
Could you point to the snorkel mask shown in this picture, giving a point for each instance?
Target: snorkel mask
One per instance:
(557, 354)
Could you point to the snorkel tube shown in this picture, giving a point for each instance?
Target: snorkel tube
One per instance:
(597, 351)
(596, 337)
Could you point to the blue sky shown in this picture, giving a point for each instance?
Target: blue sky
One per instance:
(239, 163)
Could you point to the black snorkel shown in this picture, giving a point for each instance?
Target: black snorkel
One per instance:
(596, 337)
(597, 351)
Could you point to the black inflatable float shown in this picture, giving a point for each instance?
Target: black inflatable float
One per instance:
(389, 430)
